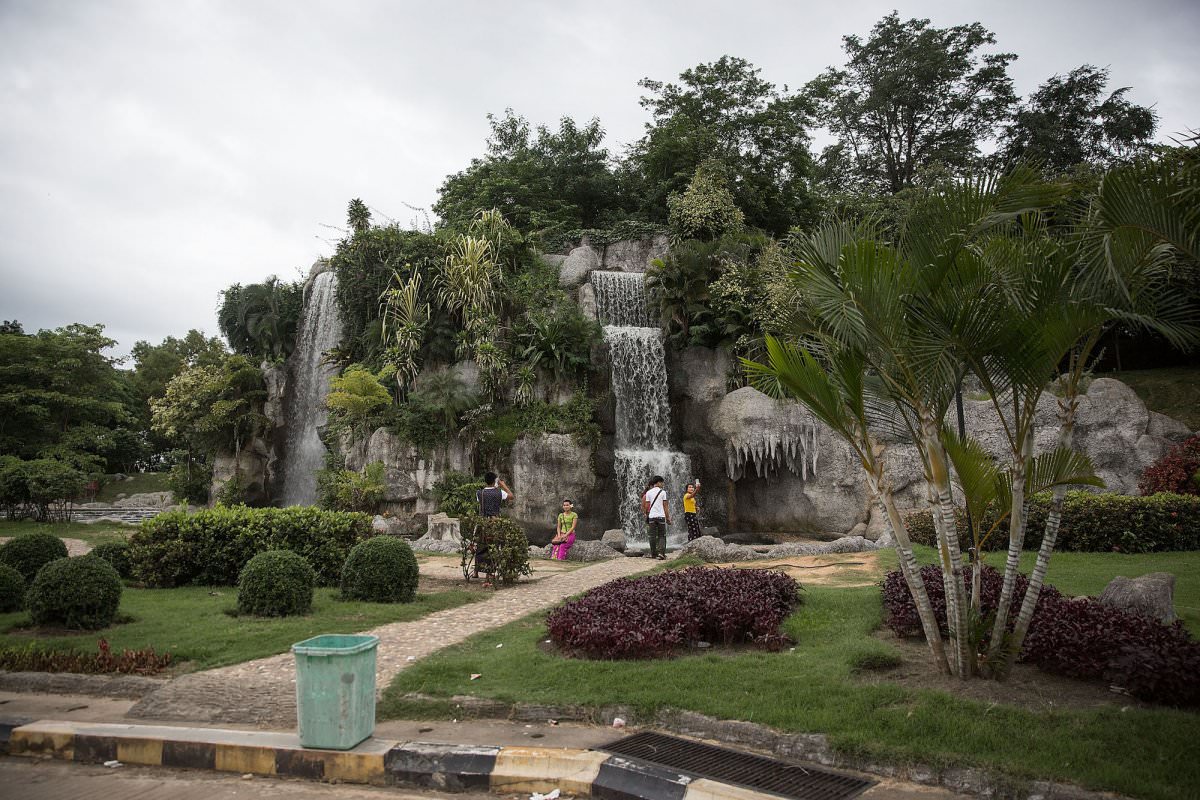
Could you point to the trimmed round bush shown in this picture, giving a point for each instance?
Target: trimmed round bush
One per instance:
(116, 554)
(276, 583)
(382, 569)
(82, 592)
(29, 552)
(12, 589)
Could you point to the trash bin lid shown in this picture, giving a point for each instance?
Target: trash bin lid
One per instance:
(335, 644)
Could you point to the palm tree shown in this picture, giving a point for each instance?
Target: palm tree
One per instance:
(404, 318)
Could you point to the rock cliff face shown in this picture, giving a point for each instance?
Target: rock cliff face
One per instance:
(410, 474)
(788, 473)
(549, 468)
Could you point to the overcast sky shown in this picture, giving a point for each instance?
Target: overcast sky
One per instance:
(152, 153)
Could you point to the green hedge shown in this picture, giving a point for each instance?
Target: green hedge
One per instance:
(210, 547)
(1092, 523)
(275, 583)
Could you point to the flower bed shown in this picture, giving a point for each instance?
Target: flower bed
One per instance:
(649, 617)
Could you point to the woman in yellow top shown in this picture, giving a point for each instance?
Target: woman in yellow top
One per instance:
(689, 511)
(564, 533)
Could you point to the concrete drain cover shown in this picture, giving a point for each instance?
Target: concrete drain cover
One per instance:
(744, 769)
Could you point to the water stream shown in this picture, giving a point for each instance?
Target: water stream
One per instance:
(639, 381)
(308, 383)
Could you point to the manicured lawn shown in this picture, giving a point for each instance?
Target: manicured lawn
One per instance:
(1174, 391)
(1145, 752)
(191, 623)
(94, 534)
(138, 483)
(1089, 573)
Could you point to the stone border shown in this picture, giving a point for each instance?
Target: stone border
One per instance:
(813, 747)
(507, 770)
(121, 687)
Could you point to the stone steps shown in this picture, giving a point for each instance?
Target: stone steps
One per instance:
(129, 515)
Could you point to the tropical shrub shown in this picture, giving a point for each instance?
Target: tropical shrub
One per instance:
(347, 490)
(1091, 523)
(32, 658)
(50, 486)
(12, 589)
(210, 547)
(1076, 637)
(275, 583)
(382, 569)
(455, 494)
(117, 555)
(190, 482)
(705, 210)
(1178, 471)
(81, 592)
(29, 552)
(503, 541)
(651, 616)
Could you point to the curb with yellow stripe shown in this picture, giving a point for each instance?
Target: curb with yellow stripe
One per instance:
(375, 761)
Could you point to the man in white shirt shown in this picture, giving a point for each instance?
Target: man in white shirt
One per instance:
(658, 517)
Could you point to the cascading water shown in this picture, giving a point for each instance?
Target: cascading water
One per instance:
(639, 381)
(308, 384)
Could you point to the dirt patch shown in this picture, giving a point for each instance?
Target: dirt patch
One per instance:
(1028, 687)
(438, 573)
(840, 569)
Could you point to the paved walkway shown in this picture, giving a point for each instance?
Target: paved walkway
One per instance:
(263, 693)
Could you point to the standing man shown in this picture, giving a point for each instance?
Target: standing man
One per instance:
(658, 517)
(492, 496)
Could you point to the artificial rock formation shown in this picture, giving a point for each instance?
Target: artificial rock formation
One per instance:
(1152, 595)
(548, 468)
(409, 472)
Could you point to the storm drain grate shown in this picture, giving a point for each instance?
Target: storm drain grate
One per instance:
(744, 769)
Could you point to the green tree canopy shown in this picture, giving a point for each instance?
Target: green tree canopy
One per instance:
(1069, 121)
(260, 319)
(539, 179)
(61, 397)
(725, 111)
(909, 96)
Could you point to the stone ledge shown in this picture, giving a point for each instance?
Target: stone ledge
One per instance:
(122, 687)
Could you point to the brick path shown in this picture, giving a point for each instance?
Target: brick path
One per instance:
(263, 693)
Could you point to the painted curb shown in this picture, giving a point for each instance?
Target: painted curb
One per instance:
(506, 770)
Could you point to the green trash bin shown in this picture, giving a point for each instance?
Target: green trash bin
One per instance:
(335, 690)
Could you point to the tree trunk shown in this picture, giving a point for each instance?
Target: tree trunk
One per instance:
(1016, 543)
(911, 571)
(951, 554)
(1067, 408)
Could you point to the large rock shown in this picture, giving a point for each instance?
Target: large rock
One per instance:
(444, 528)
(546, 469)
(576, 267)
(586, 298)
(146, 500)
(1152, 595)
(251, 467)
(410, 473)
(713, 550)
(614, 538)
(428, 545)
(634, 255)
(591, 551)
(701, 374)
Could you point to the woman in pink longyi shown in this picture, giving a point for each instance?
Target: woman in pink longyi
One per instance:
(564, 532)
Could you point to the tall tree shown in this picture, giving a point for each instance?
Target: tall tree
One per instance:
(910, 95)
(539, 179)
(725, 111)
(1069, 121)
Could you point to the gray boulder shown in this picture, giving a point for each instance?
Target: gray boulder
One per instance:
(614, 538)
(586, 298)
(546, 469)
(590, 551)
(576, 267)
(635, 255)
(428, 545)
(443, 528)
(1152, 595)
(713, 550)
(147, 500)
(389, 526)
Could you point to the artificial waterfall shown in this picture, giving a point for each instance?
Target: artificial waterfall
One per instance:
(639, 381)
(307, 386)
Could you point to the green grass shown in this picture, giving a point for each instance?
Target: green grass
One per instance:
(1174, 391)
(138, 483)
(191, 623)
(1146, 752)
(93, 534)
(1088, 573)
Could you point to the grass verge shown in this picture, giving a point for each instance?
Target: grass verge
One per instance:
(191, 623)
(1146, 752)
(94, 534)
